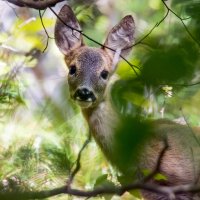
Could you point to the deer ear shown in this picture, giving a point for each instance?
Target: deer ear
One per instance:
(121, 36)
(67, 38)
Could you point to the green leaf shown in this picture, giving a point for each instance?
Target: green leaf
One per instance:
(131, 136)
(170, 63)
(36, 25)
(103, 181)
(146, 172)
(157, 177)
(160, 177)
(136, 194)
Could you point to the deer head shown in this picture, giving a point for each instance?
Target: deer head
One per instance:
(90, 69)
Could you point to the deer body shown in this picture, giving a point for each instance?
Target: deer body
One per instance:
(91, 74)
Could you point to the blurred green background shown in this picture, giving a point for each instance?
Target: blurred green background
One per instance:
(42, 131)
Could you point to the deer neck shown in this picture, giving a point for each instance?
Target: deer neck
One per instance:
(102, 120)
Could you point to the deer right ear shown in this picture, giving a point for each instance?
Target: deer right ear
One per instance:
(67, 38)
(121, 37)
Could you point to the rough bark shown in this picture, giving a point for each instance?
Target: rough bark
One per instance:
(36, 4)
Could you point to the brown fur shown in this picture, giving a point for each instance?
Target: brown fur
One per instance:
(180, 163)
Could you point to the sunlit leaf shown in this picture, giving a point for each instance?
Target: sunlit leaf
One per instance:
(103, 181)
(35, 25)
(158, 176)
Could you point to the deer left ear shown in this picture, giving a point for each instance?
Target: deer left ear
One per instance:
(66, 35)
(121, 36)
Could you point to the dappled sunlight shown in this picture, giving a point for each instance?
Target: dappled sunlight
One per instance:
(43, 131)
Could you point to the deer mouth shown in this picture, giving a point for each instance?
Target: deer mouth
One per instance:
(84, 104)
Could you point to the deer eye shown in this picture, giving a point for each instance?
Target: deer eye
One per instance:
(72, 70)
(104, 74)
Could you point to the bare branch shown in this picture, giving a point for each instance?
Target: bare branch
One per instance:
(164, 190)
(155, 26)
(152, 29)
(48, 37)
(182, 21)
(78, 164)
(167, 191)
(39, 5)
(158, 23)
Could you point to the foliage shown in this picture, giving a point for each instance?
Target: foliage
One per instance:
(42, 131)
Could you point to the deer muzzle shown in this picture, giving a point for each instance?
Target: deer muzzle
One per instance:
(84, 94)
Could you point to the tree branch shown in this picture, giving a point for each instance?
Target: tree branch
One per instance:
(167, 191)
(36, 4)
(154, 188)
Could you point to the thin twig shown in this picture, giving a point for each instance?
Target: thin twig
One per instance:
(190, 128)
(181, 85)
(93, 40)
(78, 163)
(48, 37)
(44, 12)
(151, 30)
(158, 23)
(13, 9)
(182, 21)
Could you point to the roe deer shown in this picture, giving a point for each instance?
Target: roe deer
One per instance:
(91, 75)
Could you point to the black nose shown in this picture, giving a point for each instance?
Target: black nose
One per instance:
(84, 94)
